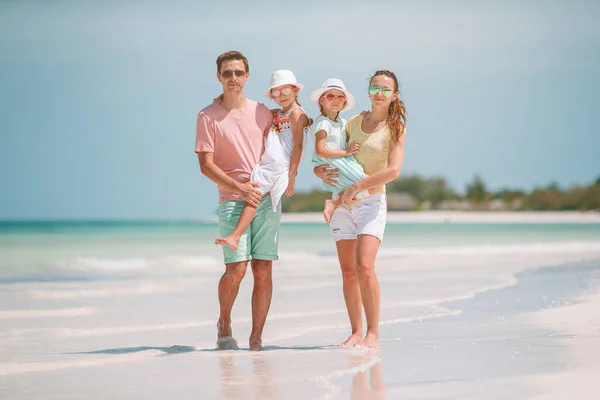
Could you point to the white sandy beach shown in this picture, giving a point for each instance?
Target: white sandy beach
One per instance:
(468, 311)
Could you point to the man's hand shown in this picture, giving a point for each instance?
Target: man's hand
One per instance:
(249, 193)
(352, 149)
(327, 175)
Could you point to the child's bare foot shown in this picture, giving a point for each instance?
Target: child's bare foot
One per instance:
(330, 206)
(232, 241)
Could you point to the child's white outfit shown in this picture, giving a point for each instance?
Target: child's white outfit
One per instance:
(272, 171)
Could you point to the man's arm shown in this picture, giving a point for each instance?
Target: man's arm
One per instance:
(246, 191)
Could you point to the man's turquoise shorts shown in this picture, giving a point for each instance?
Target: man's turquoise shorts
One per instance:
(261, 239)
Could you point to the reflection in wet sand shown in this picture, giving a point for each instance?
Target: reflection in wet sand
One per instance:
(265, 381)
(235, 383)
(364, 388)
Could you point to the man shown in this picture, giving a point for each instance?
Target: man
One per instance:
(229, 143)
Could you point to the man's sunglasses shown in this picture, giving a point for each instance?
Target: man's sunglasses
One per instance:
(229, 73)
(373, 90)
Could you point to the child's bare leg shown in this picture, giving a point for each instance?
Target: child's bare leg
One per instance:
(233, 240)
(330, 206)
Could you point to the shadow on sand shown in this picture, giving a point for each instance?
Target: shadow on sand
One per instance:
(179, 349)
(176, 349)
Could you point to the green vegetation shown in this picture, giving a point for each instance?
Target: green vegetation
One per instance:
(414, 192)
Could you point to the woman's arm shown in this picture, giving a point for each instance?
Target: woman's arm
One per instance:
(298, 120)
(381, 177)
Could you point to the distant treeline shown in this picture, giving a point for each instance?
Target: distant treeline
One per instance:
(418, 193)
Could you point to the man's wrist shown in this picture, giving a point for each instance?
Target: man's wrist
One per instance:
(237, 187)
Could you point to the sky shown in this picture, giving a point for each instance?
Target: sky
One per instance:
(98, 100)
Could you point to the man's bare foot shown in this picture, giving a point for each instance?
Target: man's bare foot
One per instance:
(330, 206)
(352, 341)
(255, 344)
(227, 343)
(232, 241)
(371, 340)
(224, 339)
(223, 327)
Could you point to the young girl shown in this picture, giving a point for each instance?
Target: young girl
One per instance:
(276, 172)
(330, 141)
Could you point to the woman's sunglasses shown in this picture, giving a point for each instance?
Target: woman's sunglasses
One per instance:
(229, 73)
(278, 92)
(373, 90)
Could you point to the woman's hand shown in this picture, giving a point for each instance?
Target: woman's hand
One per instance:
(347, 195)
(327, 175)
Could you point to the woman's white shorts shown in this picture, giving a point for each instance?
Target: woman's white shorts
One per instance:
(366, 218)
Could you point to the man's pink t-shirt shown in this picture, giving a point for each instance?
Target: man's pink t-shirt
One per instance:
(236, 143)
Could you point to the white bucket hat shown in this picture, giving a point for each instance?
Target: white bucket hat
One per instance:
(283, 77)
(333, 83)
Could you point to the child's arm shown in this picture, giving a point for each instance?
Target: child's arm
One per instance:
(298, 120)
(322, 151)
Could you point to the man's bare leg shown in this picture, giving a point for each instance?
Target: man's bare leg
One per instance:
(229, 285)
(346, 250)
(261, 300)
(366, 251)
(233, 240)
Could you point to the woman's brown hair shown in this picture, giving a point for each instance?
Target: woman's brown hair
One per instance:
(396, 118)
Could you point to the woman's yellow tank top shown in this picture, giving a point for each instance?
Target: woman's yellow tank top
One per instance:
(374, 147)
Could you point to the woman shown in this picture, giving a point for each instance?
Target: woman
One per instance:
(358, 232)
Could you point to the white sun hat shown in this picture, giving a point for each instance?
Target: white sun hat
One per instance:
(333, 83)
(283, 77)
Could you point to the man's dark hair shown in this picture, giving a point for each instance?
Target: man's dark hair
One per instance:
(229, 56)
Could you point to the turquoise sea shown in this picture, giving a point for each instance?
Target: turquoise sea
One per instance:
(31, 250)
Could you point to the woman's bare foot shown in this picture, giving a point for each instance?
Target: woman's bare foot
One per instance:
(352, 341)
(232, 241)
(371, 340)
(330, 206)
